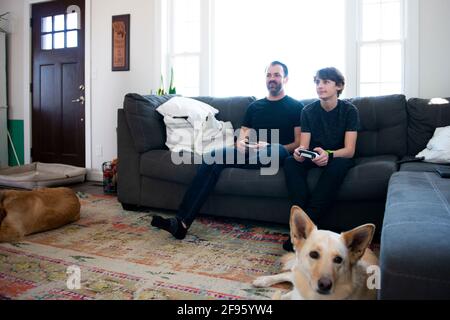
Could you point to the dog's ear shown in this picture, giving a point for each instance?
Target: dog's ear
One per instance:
(357, 240)
(301, 226)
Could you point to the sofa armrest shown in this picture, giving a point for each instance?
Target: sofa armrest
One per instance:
(128, 175)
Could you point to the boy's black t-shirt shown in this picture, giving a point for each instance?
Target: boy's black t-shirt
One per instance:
(328, 128)
(284, 115)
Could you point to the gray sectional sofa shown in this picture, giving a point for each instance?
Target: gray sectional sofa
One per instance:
(392, 129)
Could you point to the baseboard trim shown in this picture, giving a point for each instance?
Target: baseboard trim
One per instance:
(94, 175)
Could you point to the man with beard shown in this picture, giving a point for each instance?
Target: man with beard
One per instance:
(278, 115)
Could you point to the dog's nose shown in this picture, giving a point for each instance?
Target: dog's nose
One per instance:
(325, 285)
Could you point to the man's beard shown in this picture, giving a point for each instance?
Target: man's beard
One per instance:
(274, 90)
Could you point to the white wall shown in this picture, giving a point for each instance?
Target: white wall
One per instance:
(434, 52)
(15, 43)
(108, 88)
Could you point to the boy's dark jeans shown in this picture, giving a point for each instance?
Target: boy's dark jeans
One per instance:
(315, 202)
(208, 175)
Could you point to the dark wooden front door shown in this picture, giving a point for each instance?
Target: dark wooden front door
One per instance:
(58, 117)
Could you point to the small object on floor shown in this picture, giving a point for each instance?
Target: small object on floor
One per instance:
(109, 169)
(172, 225)
(287, 245)
(27, 212)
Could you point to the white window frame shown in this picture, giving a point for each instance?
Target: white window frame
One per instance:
(166, 55)
(409, 43)
(381, 42)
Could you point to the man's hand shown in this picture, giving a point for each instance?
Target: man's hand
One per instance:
(297, 155)
(262, 144)
(243, 147)
(322, 159)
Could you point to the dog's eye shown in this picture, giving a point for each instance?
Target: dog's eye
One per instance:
(338, 260)
(314, 255)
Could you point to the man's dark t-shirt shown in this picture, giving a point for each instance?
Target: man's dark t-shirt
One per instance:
(328, 128)
(284, 115)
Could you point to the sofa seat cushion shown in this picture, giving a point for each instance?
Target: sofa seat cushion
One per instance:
(421, 166)
(233, 181)
(159, 164)
(367, 180)
(415, 246)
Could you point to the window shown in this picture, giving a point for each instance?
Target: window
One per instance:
(60, 31)
(381, 47)
(305, 35)
(221, 47)
(184, 45)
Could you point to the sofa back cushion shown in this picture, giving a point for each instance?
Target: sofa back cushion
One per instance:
(230, 109)
(145, 123)
(424, 118)
(383, 125)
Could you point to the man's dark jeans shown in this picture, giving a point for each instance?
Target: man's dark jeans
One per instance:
(316, 202)
(208, 175)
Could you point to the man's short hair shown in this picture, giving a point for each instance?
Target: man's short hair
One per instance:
(285, 68)
(332, 74)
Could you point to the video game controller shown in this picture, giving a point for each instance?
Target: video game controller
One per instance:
(249, 144)
(308, 154)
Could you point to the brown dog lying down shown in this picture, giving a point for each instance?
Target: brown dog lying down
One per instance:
(26, 212)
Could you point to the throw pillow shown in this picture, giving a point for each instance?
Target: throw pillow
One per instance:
(424, 116)
(438, 148)
(178, 107)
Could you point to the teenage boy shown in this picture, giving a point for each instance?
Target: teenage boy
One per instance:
(329, 128)
(276, 112)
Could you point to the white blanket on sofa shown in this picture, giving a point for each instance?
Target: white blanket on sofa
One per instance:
(191, 126)
(438, 148)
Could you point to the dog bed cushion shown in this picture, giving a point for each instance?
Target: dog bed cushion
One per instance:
(41, 175)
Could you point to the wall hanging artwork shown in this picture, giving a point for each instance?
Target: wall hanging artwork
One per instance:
(121, 43)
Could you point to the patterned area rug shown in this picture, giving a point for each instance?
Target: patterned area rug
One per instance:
(119, 255)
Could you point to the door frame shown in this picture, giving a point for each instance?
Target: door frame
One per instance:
(27, 108)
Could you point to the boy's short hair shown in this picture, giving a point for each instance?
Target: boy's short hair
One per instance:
(285, 68)
(332, 74)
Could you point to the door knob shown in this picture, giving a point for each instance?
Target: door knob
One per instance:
(80, 99)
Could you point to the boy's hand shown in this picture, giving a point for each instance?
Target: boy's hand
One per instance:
(297, 155)
(322, 159)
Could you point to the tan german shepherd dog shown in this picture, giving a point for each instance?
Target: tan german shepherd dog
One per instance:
(326, 265)
(26, 212)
